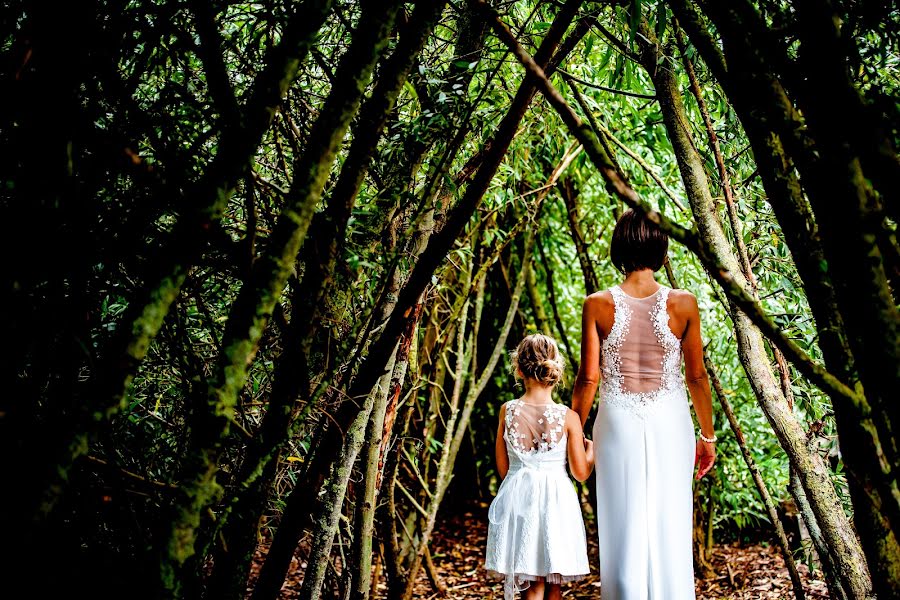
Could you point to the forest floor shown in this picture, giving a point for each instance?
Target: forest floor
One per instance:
(743, 572)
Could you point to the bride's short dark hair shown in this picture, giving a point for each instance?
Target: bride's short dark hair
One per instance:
(637, 243)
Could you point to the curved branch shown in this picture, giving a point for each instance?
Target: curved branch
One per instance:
(603, 88)
(631, 153)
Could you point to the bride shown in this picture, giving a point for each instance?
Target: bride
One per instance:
(633, 339)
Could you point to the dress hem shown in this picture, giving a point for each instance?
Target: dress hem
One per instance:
(546, 578)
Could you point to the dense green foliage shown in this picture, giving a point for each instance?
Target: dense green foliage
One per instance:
(148, 98)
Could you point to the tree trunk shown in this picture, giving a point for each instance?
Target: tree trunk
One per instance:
(251, 310)
(811, 468)
(233, 558)
(554, 305)
(537, 304)
(835, 589)
(361, 563)
(849, 234)
(761, 487)
(332, 501)
(570, 196)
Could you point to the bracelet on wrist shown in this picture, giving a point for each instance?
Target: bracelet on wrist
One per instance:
(711, 440)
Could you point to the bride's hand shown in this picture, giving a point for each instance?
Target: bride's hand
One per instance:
(705, 457)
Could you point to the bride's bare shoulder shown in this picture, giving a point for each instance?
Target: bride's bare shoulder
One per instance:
(599, 301)
(600, 309)
(683, 302)
(601, 297)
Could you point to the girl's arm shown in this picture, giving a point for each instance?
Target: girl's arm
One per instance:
(500, 446)
(697, 380)
(579, 450)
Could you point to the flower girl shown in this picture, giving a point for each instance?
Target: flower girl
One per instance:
(536, 534)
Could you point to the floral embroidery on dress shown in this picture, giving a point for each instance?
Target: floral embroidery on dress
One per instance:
(552, 422)
(614, 394)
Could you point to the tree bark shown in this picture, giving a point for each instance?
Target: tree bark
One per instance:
(537, 304)
(251, 310)
(291, 374)
(378, 428)
(554, 305)
(835, 589)
(761, 487)
(570, 196)
(166, 275)
(335, 488)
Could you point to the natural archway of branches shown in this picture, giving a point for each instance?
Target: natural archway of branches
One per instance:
(265, 262)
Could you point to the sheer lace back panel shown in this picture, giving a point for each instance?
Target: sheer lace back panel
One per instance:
(534, 429)
(641, 355)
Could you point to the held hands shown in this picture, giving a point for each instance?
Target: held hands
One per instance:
(589, 450)
(705, 457)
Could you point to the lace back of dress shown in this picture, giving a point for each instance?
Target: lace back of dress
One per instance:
(532, 429)
(641, 353)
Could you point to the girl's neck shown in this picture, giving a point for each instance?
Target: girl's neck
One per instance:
(640, 283)
(537, 394)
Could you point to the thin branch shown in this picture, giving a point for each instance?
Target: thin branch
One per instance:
(603, 88)
(616, 42)
(631, 154)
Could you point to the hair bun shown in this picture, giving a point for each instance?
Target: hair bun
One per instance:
(537, 357)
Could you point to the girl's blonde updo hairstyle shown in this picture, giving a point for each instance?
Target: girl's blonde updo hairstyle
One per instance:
(538, 358)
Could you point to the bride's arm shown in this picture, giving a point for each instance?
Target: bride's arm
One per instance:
(588, 378)
(697, 380)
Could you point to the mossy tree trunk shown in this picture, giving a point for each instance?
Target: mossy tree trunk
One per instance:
(292, 370)
(841, 252)
(251, 310)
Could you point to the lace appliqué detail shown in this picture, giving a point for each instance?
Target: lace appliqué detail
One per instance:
(639, 403)
(555, 417)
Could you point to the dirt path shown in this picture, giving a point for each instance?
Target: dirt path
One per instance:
(752, 572)
(747, 572)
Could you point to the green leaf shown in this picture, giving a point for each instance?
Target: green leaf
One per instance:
(634, 20)
(660, 20)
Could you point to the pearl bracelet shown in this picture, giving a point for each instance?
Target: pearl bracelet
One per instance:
(711, 440)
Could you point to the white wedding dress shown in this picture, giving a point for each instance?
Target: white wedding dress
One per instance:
(535, 530)
(644, 444)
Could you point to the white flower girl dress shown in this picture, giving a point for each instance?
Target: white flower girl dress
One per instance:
(535, 531)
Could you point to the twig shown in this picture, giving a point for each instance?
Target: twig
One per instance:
(412, 500)
(130, 474)
(603, 88)
(433, 575)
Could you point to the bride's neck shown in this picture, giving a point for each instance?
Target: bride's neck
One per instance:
(640, 283)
